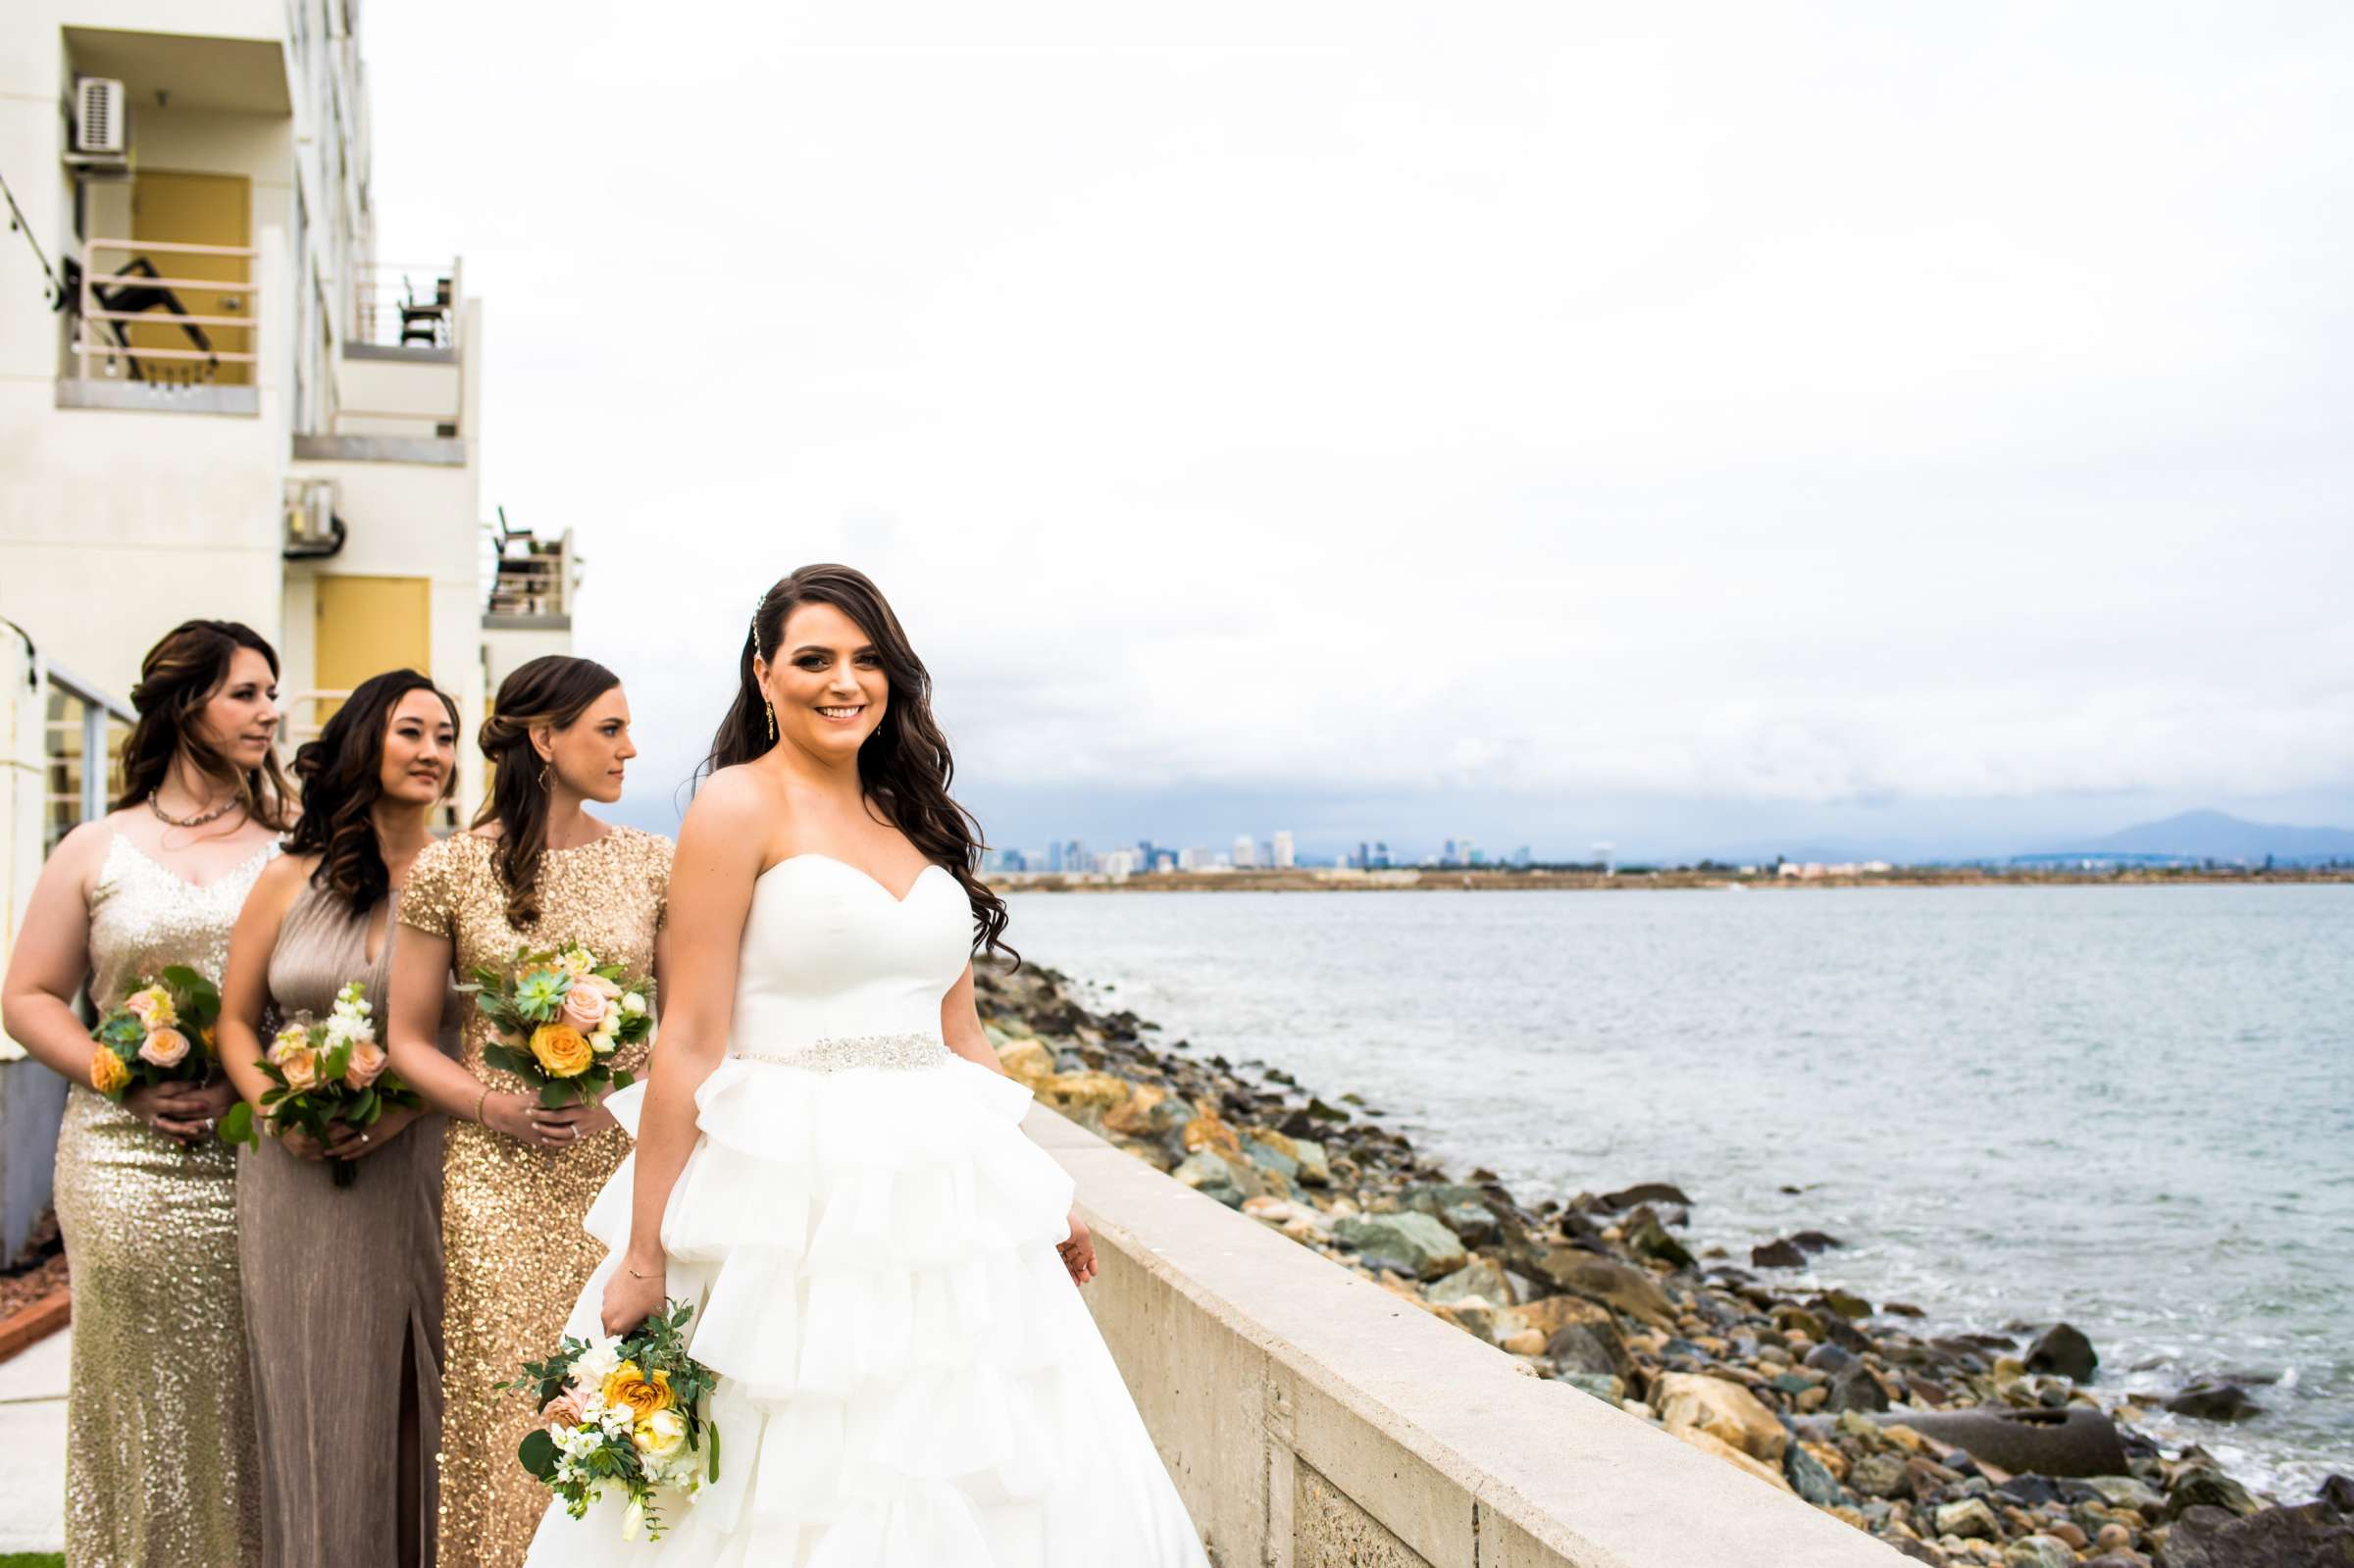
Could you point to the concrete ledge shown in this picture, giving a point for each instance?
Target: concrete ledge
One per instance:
(415, 354)
(1311, 1418)
(527, 622)
(149, 397)
(439, 451)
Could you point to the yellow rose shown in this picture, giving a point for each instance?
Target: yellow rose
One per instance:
(659, 1434)
(204, 1037)
(642, 1395)
(107, 1075)
(561, 1050)
(153, 1007)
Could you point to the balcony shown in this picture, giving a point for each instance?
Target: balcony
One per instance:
(164, 325)
(532, 580)
(400, 377)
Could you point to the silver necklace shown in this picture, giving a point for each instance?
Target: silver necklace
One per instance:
(155, 805)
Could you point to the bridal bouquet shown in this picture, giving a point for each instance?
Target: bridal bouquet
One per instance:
(625, 1412)
(321, 1071)
(162, 1033)
(563, 1016)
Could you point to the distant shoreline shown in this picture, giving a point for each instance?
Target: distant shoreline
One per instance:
(1496, 880)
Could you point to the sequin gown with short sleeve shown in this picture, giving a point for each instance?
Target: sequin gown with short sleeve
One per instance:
(513, 1253)
(161, 1465)
(908, 1376)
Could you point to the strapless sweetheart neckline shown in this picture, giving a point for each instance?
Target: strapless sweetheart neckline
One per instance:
(859, 872)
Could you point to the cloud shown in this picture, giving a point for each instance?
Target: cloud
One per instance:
(1829, 405)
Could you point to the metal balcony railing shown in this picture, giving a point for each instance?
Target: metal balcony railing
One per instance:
(407, 305)
(530, 578)
(142, 321)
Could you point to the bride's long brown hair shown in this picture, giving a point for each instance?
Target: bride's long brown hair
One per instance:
(904, 767)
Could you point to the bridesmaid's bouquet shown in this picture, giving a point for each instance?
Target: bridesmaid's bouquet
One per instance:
(160, 1033)
(623, 1411)
(563, 1015)
(323, 1071)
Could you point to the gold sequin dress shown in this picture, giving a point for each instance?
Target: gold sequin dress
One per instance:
(514, 1252)
(161, 1465)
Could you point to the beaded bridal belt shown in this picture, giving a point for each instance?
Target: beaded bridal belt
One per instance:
(890, 1052)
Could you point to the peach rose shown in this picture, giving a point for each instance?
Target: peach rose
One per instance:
(153, 1007)
(562, 1050)
(641, 1395)
(107, 1075)
(367, 1061)
(565, 1409)
(301, 1069)
(164, 1048)
(586, 1003)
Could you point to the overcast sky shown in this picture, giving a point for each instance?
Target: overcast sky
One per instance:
(1698, 426)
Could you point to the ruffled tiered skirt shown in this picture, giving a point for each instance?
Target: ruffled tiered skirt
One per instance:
(908, 1377)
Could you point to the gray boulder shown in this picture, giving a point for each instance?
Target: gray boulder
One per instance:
(2312, 1536)
(2215, 1401)
(1412, 1244)
(2063, 1350)
(2205, 1486)
(1590, 1347)
(1810, 1480)
(2038, 1551)
(1481, 1277)
(1645, 1192)
(1853, 1387)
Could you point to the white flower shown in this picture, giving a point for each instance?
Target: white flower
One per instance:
(344, 1029)
(592, 1366)
(633, 1002)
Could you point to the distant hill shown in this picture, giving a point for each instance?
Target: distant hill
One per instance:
(2216, 835)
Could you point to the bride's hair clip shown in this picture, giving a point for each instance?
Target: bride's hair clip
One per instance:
(756, 606)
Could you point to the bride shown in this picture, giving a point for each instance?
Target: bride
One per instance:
(830, 1164)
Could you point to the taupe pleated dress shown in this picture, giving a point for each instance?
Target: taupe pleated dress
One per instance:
(343, 1292)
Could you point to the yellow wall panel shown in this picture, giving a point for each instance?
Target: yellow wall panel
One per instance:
(365, 626)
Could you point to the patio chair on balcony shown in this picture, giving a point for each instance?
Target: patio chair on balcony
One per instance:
(424, 320)
(133, 298)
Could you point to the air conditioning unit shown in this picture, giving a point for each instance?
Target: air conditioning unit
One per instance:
(311, 514)
(100, 127)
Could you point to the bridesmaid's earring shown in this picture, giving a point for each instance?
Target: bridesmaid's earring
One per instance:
(772, 721)
(543, 775)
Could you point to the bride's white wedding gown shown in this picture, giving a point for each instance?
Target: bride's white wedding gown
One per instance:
(909, 1377)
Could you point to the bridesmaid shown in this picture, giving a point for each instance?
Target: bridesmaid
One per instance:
(161, 1466)
(536, 870)
(343, 1284)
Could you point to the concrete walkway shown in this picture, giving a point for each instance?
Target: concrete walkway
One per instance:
(33, 1437)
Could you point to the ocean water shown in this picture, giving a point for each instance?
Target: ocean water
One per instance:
(2131, 1108)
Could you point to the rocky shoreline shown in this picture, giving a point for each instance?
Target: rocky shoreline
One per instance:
(1983, 1448)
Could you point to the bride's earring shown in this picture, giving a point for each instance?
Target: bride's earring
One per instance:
(543, 774)
(772, 721)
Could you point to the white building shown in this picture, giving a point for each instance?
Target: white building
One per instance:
(1246, 852)
(217, 401)
(1284, 857)
(214, 400)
